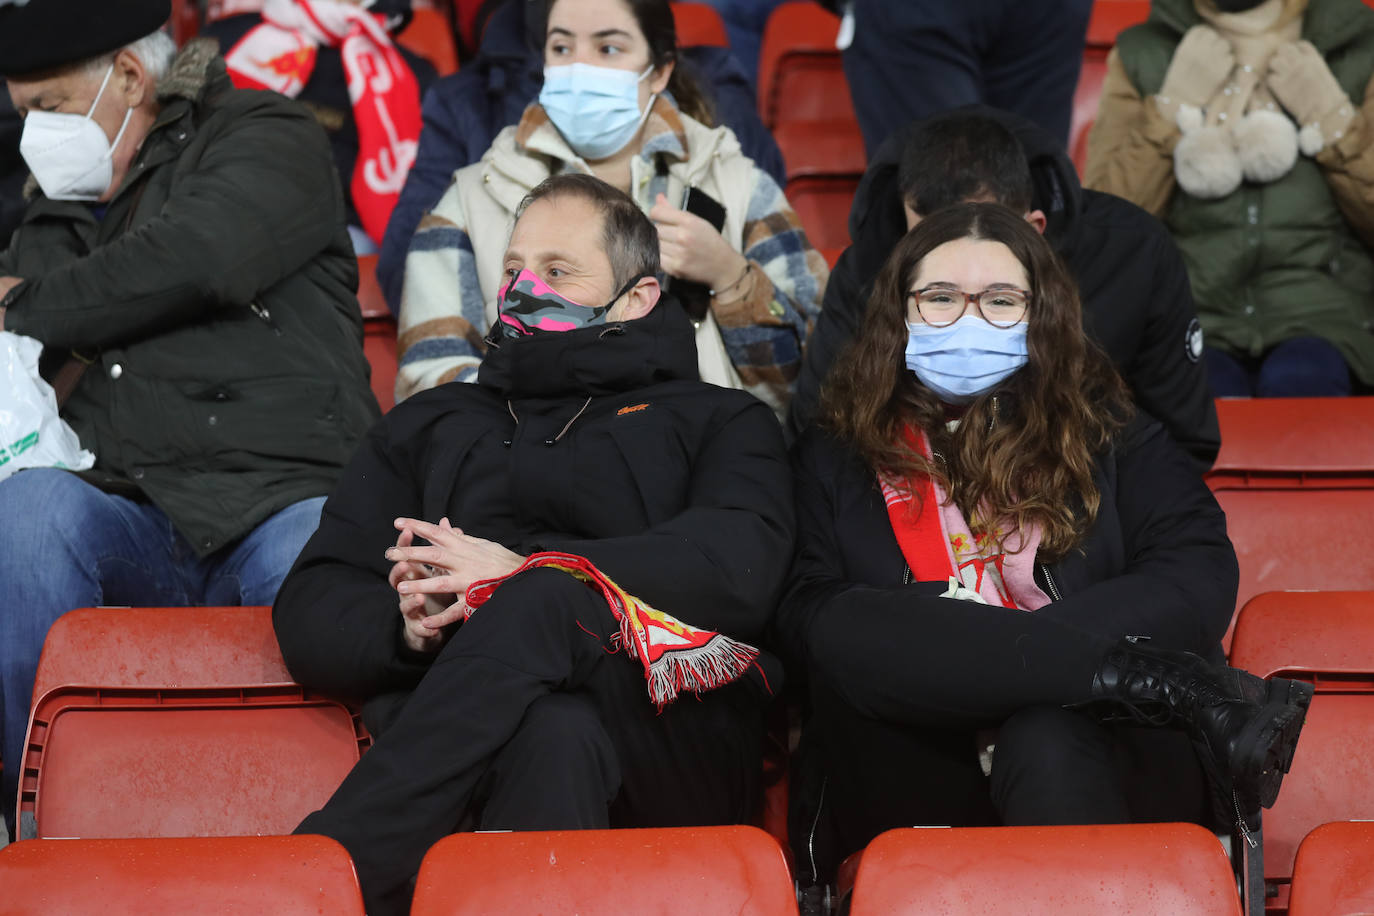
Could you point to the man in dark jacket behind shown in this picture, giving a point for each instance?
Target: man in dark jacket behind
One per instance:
(1137, 301)
(12, 171)
(187, 267)
(587, 445)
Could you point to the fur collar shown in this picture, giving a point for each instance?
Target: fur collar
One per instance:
(191, 71)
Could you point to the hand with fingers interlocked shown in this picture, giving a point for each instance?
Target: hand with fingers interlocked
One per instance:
(432, 580)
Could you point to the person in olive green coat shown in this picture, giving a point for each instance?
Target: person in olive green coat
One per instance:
(184, 245)
(1246, 126)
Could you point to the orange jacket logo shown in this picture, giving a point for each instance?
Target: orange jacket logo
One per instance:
(634, 408)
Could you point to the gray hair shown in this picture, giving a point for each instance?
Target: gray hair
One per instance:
(154, 50)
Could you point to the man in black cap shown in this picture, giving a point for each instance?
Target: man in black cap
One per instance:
(184, 261)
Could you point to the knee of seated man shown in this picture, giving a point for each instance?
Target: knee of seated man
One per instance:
(540, 597)
(41, 503)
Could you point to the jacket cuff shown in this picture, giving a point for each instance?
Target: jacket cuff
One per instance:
(760, 306)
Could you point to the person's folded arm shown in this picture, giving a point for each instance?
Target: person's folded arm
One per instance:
(336, 617)
(1179, 584)
(720, 563)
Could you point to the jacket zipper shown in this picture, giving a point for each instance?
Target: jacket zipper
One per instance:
(262, 312)
(811, 837)
(1049, 581)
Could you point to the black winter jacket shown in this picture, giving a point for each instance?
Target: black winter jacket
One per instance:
(215, 299)
(1155, 563)
(1137, 302)
(600, 442)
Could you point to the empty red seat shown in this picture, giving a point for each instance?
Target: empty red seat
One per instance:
(1327, 638)
(1109, 18)
(699, 24)
(379, 333)
(1334, 873)
(801, 75)
(222, 876)
(822, 204)
(668, 871)
(1145, 869)
(1296, 479)
(430, 35)
(176, 722)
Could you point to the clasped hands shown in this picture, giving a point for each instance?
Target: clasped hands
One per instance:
(431, 581)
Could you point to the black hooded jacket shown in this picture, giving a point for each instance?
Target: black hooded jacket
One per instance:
(599, 442)
(1137, 302)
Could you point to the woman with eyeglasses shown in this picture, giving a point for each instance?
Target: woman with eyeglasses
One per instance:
(1006, 578)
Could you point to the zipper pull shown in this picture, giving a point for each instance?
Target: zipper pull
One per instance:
(1240, 822)
(266, 316)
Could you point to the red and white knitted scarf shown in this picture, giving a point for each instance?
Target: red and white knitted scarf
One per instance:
(676, 656)
(280, 55)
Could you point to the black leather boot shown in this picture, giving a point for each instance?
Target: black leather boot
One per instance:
(1245, 728)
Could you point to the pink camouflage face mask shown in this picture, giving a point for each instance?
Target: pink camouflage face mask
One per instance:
(528, 304)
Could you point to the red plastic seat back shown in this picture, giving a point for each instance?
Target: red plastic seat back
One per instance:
(668, 871)
(161, 647)
(1294, 442)
(1179, 869)
(430, 36)
(801, 75)
(229, 876)
(176, 722)
(1334, 873)
(822, 205)
(379, 333)
(698, 24)
(1109, 18)
(1328, 638)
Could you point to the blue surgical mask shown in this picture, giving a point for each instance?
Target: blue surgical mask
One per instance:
(596, 109)
(965, 359)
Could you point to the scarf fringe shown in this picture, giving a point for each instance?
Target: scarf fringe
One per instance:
(696, 669)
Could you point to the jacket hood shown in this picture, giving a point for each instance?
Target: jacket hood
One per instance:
(599, 360)
(877, 222)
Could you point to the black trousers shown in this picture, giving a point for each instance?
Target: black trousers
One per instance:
(899, 697)
(527, 720)
(916, 58)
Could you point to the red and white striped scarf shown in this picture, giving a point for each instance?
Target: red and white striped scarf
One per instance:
(676, 656)
(280, 55)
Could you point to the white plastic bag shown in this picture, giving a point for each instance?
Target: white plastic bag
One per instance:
(32, 435)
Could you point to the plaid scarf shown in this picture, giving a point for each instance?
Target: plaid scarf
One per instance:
(676, 656)
(280, 55)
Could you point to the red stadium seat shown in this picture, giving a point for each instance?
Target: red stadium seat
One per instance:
(1326, 638)
(430, 35)
(1296, 478)
(669, 871)
(176, 722)
(1179, 869)
(379, 332)
(185, 21)
(1109, 19)
(225, 876)
(1334, 873)
(699, 24)
(822, 204)
(801, 76)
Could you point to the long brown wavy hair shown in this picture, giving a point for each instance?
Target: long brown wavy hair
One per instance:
(1023, 452)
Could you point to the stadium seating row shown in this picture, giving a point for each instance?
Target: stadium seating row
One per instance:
(1142, 869)
(156, 722)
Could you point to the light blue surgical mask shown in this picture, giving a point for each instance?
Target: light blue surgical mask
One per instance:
(596, 109)
(965, 359)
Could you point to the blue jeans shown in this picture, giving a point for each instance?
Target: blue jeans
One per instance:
(65, 544)
(1301, 367)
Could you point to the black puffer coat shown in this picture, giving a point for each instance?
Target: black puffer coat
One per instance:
(1137, 302)
(599, 442)
(215, 298)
